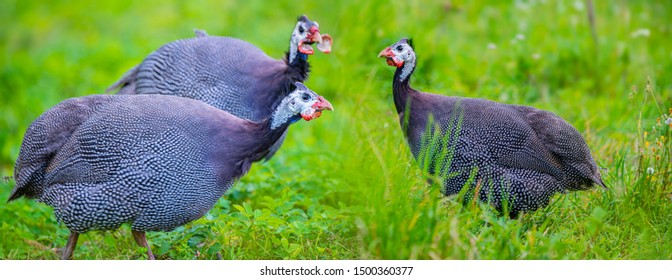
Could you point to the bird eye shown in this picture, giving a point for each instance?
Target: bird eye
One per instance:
(400, 48)
(301, 30)
(305, 97)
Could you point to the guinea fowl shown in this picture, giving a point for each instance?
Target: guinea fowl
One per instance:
(515, 157)
(156, 162)
(227, 73)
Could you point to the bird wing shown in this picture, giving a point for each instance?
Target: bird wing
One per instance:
(220, 71)
(517, 143)
(45, 137)
(490, 133)
(563, 141)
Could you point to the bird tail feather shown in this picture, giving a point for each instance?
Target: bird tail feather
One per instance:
(597, 180)
(127, 79)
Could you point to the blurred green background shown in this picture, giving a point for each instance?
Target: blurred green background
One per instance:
(345, 186)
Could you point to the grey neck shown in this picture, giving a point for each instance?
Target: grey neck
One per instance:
(281, 115)
(407, 69)
(293, 50)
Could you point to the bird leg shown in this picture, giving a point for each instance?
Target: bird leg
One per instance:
(139, 237)
(70, 246)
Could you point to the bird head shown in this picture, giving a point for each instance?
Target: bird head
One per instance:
(300, 103)
(306, 33)
(307, 103)
(304, 103)
(399, 53)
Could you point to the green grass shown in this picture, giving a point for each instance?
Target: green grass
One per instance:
(346, 186)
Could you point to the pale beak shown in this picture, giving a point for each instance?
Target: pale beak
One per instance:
(315, 111)
(323, 41)
(314, 35)
(387, 52)
(322, 104)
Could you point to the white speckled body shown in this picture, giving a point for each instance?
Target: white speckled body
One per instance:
(156, 162)
(514, 154)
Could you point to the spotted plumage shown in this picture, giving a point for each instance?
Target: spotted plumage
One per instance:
(154, 162)
(514, 157)
(227, 73)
